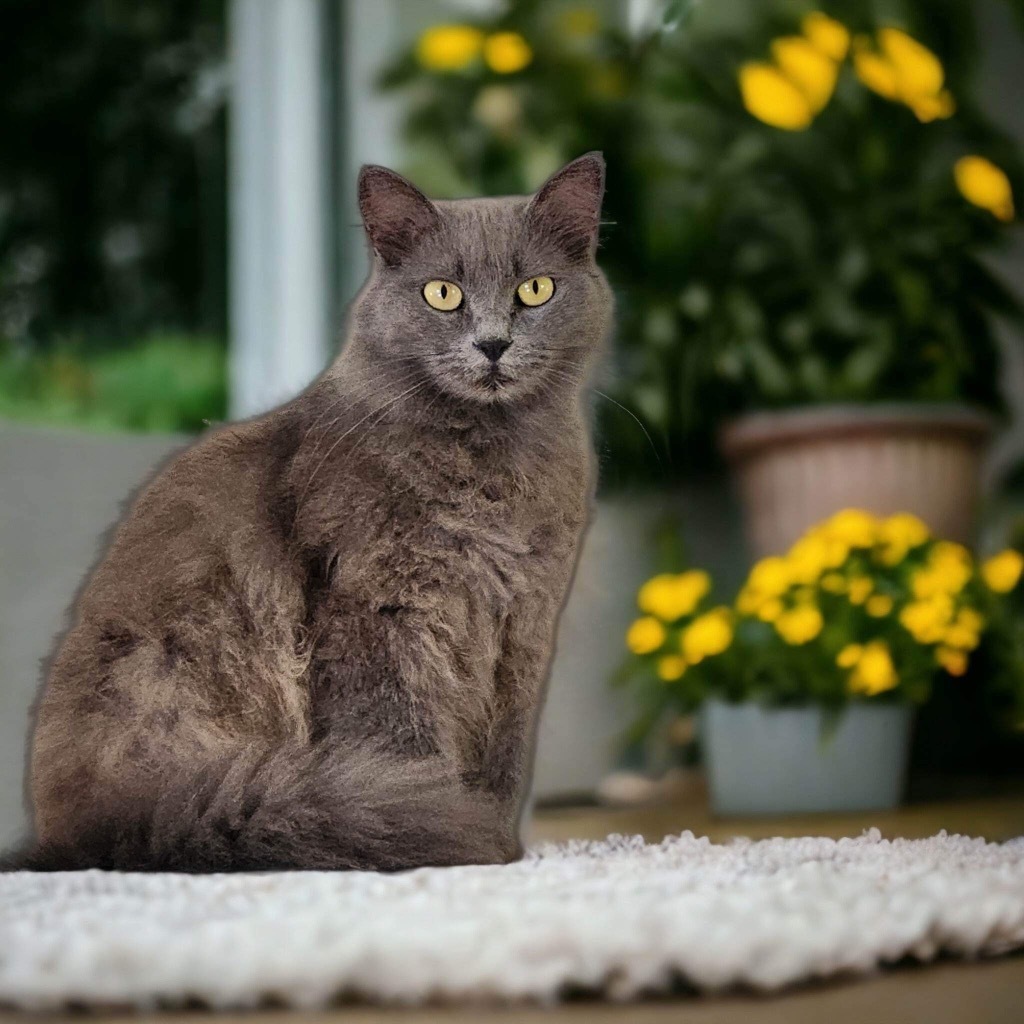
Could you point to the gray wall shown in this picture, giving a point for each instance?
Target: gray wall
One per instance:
(59, 493)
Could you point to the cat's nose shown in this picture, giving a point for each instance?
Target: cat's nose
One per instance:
(492, 347)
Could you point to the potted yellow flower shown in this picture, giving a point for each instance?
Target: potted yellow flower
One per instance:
(826, 205)
(809, 678)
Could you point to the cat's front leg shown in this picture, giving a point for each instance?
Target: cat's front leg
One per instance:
(506, 765)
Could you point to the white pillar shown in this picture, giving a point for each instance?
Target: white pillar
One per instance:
(279, 206)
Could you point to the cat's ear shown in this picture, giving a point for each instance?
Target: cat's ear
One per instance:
(395, 212)
(568, 205)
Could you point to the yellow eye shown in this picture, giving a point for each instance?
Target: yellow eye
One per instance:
(443, 295)
(536, 291)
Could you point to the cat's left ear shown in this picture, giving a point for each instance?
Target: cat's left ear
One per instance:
(568, 205)
(395, 212)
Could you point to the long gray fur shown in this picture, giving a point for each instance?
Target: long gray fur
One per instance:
(319, 639)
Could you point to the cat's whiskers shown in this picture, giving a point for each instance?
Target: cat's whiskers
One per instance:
(619, 405)
(379, 413)
(367, 373)
(325, 431)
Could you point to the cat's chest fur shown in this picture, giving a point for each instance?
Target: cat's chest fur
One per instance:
(436, 544)
(464, 518)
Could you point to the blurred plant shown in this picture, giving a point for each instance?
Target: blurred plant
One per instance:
(112, 169)
(499, 102)
(786, 192)
(811, 207)
(860, 608)
(162, 383)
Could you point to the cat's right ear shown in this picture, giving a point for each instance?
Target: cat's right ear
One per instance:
(568, 205)
(395, 212)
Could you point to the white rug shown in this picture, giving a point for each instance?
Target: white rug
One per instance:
(616, 918)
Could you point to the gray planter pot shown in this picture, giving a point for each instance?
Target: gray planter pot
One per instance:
(764, 761)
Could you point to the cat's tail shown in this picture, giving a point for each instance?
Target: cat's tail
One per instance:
(291, 810)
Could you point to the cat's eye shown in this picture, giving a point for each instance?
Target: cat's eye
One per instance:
(443, 295)
(536, 291)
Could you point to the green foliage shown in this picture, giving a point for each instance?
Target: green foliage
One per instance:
(833, 264)
(112, 168)
(164, 383)
(753, 267)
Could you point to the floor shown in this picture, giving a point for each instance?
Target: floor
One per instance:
(958, 993)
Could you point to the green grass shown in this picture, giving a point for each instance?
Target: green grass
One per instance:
(165, 383)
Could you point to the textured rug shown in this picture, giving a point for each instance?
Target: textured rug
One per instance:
(614, 918)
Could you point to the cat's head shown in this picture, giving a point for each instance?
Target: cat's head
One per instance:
(490, 300)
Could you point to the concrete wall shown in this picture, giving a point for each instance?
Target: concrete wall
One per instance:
(59, 493)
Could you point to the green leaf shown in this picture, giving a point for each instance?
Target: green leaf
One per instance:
(769, 372)
(864, 366)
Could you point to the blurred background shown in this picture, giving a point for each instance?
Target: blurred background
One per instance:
(811, 432)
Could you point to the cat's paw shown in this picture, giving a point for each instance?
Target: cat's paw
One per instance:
(511, 850)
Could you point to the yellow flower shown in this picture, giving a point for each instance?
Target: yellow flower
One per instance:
(708, 634)
(876, 73)
(812, 554)
(671, 667)
(948, 569)
(770, 610)
(933, 108)
(808, 68)
(770, 577)
(670, 596)
(645, 635)
(772, 98)
(926, 620)
(853, 526)
(905, 71)
(1001, 572)
(449, 47)
(860, 589)
(874, 673)
(849, 655)
(827, 34)
(878, 606)
(834, 583)
(919, 70)
(507, 52)
(961, 637)
(953, 563)
(903, 528)
(799, 625)
(982, 183)
(953, 661)
(968, 618)
(899, 534)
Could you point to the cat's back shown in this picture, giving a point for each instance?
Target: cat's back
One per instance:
(214, 506)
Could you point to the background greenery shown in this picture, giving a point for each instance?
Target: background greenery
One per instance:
(753, 267)
(163, 383)
(112, 211)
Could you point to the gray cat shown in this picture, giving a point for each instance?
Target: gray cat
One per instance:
(319, 639)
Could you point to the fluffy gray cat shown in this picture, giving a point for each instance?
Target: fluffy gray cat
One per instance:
(319, 639)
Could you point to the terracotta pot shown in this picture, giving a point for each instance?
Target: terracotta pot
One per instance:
(796, 467)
